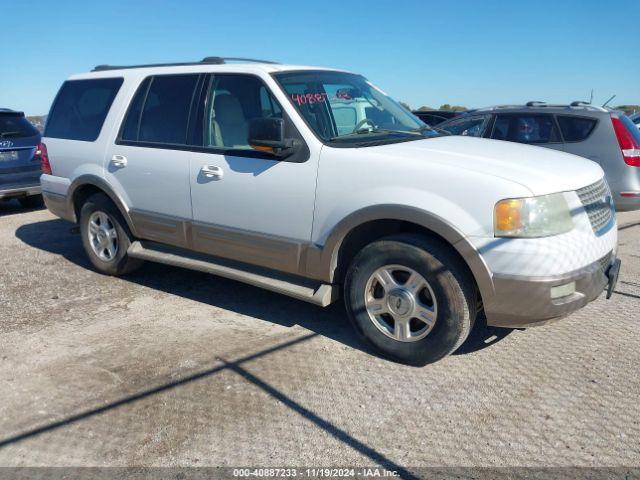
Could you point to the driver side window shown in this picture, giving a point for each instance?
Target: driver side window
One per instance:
(233, 101)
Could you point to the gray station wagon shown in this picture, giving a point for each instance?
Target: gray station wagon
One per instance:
(607, 137)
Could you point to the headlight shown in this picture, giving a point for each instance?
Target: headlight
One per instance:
(532, 217)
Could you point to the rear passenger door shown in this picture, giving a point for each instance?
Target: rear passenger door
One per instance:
(530, 128)
(149, 163)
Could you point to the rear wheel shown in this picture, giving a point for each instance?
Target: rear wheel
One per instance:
(106, 236)
(32, 201)
(411, 297)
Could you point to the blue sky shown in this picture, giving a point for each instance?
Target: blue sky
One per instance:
(464, 52)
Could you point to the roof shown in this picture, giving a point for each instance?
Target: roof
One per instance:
(542, 107)
(208, 64)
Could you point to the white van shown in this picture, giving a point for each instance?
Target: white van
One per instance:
(314, 183)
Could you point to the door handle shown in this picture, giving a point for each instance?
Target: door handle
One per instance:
(119, 161)
(211, 171)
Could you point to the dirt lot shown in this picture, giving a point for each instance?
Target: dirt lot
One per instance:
(169, 367)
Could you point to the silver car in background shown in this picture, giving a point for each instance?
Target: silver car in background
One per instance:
(607, 137)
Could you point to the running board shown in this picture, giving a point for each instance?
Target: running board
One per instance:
(321, 294)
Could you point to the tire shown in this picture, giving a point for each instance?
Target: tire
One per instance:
(99, 214)
(32, 201)
(442, 292)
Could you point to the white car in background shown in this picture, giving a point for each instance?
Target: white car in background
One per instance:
(314, 183)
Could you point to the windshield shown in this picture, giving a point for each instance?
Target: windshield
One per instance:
(344, 109)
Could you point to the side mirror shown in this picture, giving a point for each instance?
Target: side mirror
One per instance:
(267, 135)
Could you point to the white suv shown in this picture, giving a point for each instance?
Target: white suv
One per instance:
(314, 183)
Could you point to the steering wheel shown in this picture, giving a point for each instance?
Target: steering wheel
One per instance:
(362, 123)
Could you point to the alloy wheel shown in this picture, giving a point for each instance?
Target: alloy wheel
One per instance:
(103, 236)
(401, 303)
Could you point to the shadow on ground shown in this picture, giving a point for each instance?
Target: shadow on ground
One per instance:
(13, 207)
(58, 237)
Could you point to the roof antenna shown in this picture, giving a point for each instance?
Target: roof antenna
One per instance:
(605, 103)
(591, 97)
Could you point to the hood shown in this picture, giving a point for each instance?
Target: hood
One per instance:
(541, 170)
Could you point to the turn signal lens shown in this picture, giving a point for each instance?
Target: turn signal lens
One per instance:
(532, 217)
(509, 215)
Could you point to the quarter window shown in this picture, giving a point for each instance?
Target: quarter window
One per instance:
(132, 121)
(575, 129)
(81, 107)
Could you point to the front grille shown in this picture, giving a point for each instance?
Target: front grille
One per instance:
(596, 200)
(605, 262)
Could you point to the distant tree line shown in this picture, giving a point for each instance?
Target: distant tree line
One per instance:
(628, 109)
(446, 106)
(37, 121)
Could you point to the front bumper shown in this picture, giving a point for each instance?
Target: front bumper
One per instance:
(527, 301)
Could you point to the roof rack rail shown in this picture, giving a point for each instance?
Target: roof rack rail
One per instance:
(579, 103)
(536, 104)
(221, 60)
(204, 61)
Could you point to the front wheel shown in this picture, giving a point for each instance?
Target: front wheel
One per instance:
(106, 237)
(411, 297)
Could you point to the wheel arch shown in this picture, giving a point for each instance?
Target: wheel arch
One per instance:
(85, 186)
(372, 223)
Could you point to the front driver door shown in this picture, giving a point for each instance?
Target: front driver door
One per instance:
(247, 205)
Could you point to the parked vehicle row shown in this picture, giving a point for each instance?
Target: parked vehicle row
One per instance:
(607, 137)
(19, 159)
(314, 183)
(436, 117)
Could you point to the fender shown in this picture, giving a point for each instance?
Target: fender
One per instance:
(100, 183)
(323, 261)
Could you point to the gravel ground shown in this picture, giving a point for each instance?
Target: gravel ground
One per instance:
(169, 367)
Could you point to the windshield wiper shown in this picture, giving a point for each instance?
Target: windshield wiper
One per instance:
(408, 132)
(429, 127)
(374, 130)
(9, 134)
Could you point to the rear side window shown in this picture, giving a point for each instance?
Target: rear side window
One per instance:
(160, 110)
(132, 122)
(533, 129)
(575, 129)
(81, 107)
(15, 125)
